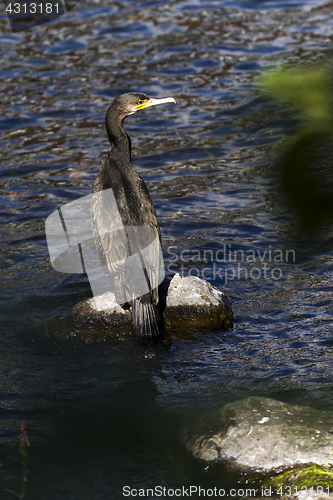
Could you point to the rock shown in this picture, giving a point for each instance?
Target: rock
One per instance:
(194, 304)
(310, 494)
(309, 482)
(261, 435)
(190, 304)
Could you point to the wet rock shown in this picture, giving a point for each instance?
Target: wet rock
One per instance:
(194, 304)
(309, 482)
(189, 304)
(306, 494)
(310, 494)
(262, 435)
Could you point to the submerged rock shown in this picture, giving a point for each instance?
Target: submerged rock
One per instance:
(188, 304)
(262, 435)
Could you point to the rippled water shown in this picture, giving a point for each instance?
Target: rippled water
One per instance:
(104, 414)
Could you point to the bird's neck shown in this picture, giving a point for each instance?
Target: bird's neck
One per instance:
(117, 136)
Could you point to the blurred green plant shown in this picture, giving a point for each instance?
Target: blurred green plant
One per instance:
(306, 172)
(22, 446)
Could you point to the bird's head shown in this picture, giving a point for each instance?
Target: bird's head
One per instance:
(130, 103)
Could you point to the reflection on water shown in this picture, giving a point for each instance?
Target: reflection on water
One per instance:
(106, 414)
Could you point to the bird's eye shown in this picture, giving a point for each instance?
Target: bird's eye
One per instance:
(140, 102)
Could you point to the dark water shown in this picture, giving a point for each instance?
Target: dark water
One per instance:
(104, 414)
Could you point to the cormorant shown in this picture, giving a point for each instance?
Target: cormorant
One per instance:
(136, 211)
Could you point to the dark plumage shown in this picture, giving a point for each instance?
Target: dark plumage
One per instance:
(136, 211)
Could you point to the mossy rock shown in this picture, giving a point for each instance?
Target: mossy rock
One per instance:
(259, 435)
(310, 476)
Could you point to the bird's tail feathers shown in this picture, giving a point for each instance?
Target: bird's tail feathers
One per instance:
(146, 320)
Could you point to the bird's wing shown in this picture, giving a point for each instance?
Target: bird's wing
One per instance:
(144, 240)
(145, 237)
(127, 241)
(110, 239)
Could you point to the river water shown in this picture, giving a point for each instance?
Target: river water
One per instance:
(105, 413)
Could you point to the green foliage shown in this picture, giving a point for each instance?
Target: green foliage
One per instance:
(309, 90)
(306, 162)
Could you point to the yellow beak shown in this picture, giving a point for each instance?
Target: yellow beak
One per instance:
(154, 102)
